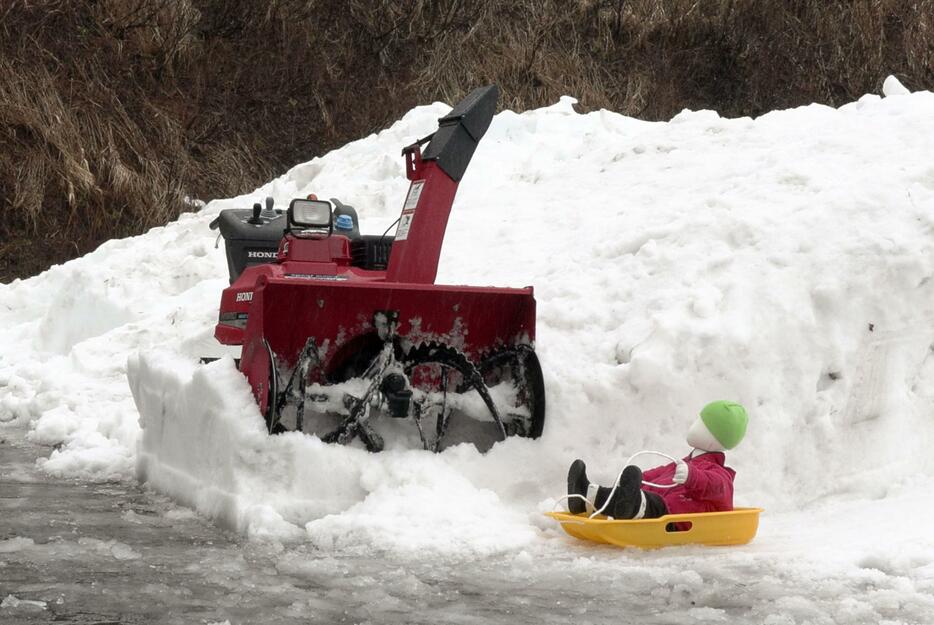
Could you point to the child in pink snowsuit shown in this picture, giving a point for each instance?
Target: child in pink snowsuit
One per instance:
(704, 483)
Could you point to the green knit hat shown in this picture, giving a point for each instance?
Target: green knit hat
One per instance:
(726, 420)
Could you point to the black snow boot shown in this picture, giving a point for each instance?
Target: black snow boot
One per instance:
(654, 506)
(627, 500)
(577, 485)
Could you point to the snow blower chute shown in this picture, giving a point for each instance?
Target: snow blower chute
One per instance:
(346, 335)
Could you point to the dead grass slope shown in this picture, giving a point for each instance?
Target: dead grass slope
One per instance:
(113, 111)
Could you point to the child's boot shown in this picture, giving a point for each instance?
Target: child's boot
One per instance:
(627, 501)
(578, 485)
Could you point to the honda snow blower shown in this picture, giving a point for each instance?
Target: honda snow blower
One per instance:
(348, 337)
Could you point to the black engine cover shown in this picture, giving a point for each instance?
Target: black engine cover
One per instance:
(250, 244)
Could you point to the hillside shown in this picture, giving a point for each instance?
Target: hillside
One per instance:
(113, 112)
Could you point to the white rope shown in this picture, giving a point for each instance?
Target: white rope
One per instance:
(570, 496)
(616, 484)
(609, 497)
(657, 453)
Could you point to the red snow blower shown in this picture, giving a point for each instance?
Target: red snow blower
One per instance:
(346, 335)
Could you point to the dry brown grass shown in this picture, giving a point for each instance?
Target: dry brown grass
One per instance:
(112, 111)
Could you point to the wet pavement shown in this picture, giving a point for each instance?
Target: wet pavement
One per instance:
(101, 552)
(115, 552)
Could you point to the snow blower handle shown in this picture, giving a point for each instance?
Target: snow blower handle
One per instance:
(214, 225)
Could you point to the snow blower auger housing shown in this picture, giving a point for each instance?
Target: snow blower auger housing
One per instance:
(346, 335)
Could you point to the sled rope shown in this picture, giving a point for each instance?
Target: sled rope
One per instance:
(616, 483)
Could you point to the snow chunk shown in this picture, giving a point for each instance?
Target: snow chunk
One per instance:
(564, 106)
(95, 458)
(122, 551)
(54, 426)
(414, 506)
(113, 548)
(17, 543)
(11, 601)
(892, 86)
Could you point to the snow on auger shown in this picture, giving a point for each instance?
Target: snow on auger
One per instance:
(346, 335)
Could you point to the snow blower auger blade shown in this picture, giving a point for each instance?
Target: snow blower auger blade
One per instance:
(346, 335)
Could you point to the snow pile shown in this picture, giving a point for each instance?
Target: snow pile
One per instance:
(784, 262)
(67, 334)
(205, 444)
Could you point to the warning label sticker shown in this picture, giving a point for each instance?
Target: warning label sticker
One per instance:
(415, 192)
(408, 210)
(402, 232)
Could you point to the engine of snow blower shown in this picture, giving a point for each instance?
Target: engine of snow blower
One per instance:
(346, 335)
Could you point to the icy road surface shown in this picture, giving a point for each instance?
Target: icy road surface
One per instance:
(83, 552)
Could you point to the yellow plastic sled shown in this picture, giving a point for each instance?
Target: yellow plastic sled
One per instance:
(737, 527)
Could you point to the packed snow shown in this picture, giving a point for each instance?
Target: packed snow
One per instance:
(783, 262)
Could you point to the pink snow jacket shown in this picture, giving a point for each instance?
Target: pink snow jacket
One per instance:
(709, 487)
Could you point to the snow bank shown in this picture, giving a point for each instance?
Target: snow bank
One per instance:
(784, 262)
(205, 444)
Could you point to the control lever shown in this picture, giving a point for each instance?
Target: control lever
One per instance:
(255, 219)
